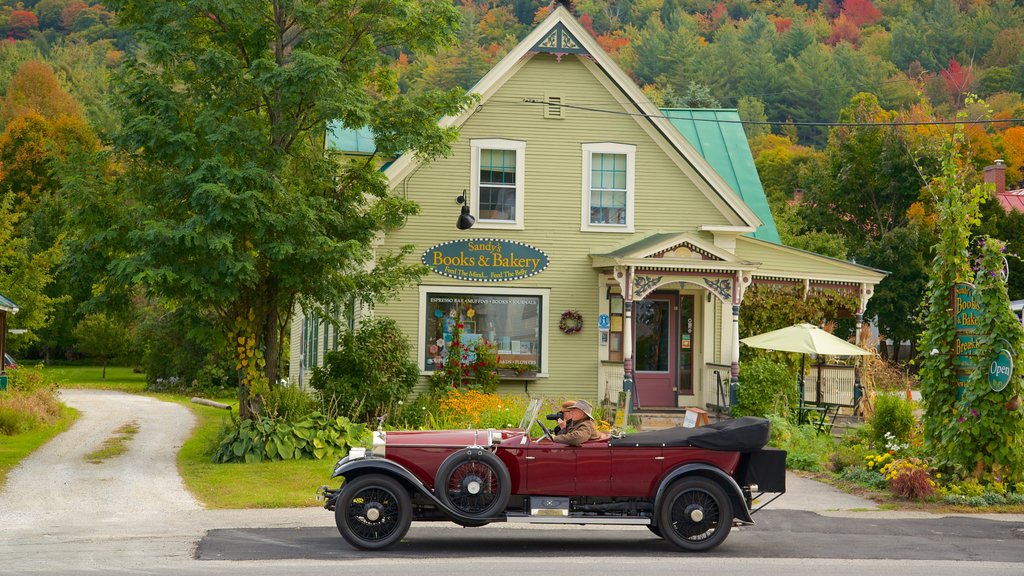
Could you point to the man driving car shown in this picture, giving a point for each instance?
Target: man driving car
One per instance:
(578, 424)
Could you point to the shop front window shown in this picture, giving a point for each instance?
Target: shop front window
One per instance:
(510, 322)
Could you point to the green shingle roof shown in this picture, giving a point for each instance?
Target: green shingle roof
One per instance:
(7, 306)
(718, 136)
(341, 139)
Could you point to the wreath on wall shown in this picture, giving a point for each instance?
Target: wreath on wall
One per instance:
(571, 322)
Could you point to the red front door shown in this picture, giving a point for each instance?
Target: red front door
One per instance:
(655, 343)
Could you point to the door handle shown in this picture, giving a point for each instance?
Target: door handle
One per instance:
(659, 457)
(531, 457)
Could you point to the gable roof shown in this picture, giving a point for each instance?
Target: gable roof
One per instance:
(717, 134)
(1011, 200)
(673, 250)
(561, 34)
(786, 262)
(7, 306)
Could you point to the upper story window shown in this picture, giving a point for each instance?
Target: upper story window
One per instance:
(497, 180)
(608, 178)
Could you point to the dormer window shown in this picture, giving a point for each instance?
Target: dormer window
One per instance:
(497, 180)
(608, 178)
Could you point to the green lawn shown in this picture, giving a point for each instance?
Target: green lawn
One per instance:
(15, 448)
(118, 377)
(261, 485)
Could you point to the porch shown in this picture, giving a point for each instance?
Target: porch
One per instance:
(836, 388)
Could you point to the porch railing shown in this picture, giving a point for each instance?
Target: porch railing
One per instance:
(711, 393)
(837, 381)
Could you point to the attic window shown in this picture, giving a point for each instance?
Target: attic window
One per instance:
(553, 107)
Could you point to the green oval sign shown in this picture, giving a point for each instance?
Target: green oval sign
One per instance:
(1001, 370)
(485, 260)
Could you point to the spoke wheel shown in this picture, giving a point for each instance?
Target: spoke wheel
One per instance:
(373, 512)
(474, 483)
(695, 514)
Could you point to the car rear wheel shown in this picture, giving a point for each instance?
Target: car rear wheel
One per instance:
(373, 512)
(474, 483)
(695, 514)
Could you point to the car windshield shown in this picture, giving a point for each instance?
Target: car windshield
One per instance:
(530, 413)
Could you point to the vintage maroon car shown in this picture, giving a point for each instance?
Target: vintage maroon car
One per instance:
(687, 485)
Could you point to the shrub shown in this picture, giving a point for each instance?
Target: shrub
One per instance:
(847, 456)
(806, 449)
(316, 436)
(14, 422)
(288, 403)
(909, 478)
(30, 401)
(869, 478)
(766, 387)
(893, 415)
(369, 374)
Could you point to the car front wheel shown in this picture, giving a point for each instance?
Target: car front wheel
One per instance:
(695, 514)
(373, 512)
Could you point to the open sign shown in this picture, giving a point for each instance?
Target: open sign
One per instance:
(1001, 370)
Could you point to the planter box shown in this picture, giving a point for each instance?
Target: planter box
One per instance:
(507, 374)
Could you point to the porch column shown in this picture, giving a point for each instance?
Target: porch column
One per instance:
(734, 368)
(628, 383)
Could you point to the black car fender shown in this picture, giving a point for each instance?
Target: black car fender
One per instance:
(739, 502)
(349, 469)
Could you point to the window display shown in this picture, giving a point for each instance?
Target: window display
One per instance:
(511, 323)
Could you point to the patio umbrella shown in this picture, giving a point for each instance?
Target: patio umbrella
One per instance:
(804, 338)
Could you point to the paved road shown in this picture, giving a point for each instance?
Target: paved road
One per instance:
(132, 515)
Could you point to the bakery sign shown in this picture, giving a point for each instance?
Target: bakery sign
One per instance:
(485, 260)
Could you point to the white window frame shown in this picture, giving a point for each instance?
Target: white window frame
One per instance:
(476, 146)
(545, 303)
(629, 150)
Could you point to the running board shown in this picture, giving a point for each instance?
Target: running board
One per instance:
(527, 519)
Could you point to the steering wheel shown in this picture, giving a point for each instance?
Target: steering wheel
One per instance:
(547, 433)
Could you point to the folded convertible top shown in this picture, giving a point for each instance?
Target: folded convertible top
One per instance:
(746, 434)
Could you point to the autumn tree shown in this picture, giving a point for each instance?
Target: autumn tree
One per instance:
(230, 205)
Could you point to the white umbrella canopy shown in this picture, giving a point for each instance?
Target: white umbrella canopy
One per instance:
(805, 339)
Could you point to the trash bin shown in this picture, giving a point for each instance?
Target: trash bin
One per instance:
(3, 382)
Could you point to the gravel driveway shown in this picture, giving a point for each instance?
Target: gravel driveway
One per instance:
(58, 511)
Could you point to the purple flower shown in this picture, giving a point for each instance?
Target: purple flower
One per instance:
(974, 413)
(961, 419)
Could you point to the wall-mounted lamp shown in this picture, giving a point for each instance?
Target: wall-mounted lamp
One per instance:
(466, 220)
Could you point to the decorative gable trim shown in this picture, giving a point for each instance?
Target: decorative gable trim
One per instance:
(559, 41)
(704, 254)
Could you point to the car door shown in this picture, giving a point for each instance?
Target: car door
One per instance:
(550, 469)
(636, 470)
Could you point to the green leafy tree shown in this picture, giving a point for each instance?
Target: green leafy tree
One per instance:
(230, 204)
(958, 213)
(24, 276)
(985, 441)
(102, 337)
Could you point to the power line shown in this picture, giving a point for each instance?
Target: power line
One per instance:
(775, 123)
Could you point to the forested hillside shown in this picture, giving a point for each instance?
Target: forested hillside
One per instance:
(791, 68)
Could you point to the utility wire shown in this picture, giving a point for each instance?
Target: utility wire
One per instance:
(775, 123)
